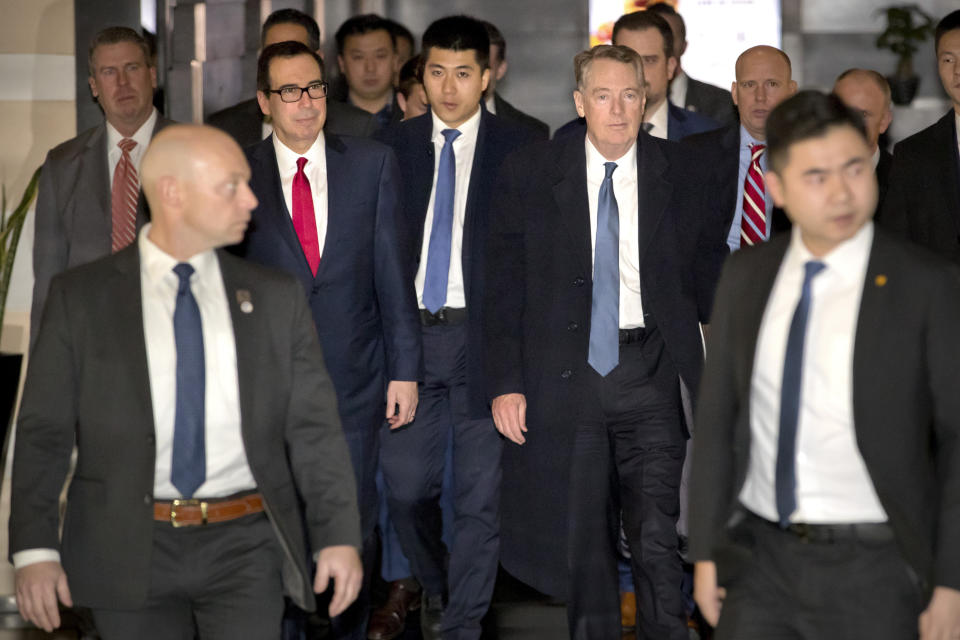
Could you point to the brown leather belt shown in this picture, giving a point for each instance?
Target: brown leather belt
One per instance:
(192, 512)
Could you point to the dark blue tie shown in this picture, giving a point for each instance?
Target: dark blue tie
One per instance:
(786, 477)
(605, 305)
(441, 233)
(189, 468)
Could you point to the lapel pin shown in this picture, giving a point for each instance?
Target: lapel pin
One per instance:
(880, 280)
(243, 297)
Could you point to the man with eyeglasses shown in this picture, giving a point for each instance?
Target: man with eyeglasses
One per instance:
(327, 213)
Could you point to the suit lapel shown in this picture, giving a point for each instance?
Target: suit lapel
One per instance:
(654, 190)
(129, 336)
(93, 179)
(421, 174)
(570, 195)
(339, 181)
(243, 308)
(869, 340)
(470, 221)
(950, 166)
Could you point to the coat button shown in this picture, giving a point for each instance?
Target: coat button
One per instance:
(578, 281)
(566, 373)
(147, 499)
(573, 326)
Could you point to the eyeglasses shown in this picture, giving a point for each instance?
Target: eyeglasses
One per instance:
(316, 91)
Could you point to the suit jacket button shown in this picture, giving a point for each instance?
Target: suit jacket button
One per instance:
(148, 499)
(566, 373)
(573, 326)
(578, 281)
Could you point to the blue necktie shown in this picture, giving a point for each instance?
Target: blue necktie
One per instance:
(786, 477)
(441, 234)
(605, 305)
(189, 467)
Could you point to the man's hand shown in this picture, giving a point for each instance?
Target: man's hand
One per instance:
(402, 394)
(510, 416)
(342, 563)
(941, 619)
(708, 595)
(38, 587)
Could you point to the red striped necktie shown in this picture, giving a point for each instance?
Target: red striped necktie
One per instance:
(123, 198)
(753, 225)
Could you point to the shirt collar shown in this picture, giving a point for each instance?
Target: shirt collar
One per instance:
(157, 264)
(659, 120)
(847, 260)
(596, 162)
(678, 88)
(468, 130)
(875, 158)
(287, 157)
(746, 139)
(142, 135)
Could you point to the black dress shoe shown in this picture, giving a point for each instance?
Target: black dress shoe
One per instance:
(431, 616)
(390, 620)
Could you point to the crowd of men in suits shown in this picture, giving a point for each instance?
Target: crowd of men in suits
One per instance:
(381, 331)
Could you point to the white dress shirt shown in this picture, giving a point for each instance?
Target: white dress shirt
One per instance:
(660, 121)
(678, 89)
(316, 172)
(833, 485)
(625, 191)
(142, 137)
(227, 469)
(491, 104)
(464, 147)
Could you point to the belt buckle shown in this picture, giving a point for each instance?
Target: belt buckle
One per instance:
(802, 531)
(187, 502)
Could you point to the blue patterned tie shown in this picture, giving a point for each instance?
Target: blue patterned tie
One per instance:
(189, 468)
(786, 477)
(605, 305)
(441, 233)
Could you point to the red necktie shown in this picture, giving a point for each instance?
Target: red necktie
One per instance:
(753, 225)
(123, 198)
(304, 218)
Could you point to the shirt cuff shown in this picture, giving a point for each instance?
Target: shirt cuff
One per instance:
(32, 556)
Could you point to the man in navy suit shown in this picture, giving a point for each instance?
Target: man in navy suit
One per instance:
(649, 35)
(448, 186)
(328, 213)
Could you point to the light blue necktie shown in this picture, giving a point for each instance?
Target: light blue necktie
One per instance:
(605, 305)
(189, 465)
(786, 476)
(441, 233)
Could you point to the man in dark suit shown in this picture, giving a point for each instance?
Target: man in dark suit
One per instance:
(650, 36)
(691, 94)
(83, 213)
(368, 60)
(590, 375)
(194, 388)
(446, 209)
(246, 122)
(733, 158)
(923, 201)
(868, 92)
(828, 421)
(328, 214)
(494, 101)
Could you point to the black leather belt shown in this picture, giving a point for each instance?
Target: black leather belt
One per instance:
(875, 532)
(444, 316)
(628, 336)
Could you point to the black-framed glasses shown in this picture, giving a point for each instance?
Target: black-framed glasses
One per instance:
(315, 90)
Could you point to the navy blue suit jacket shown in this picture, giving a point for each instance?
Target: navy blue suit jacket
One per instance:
(680, 124)
(362, 297)
(415, 151)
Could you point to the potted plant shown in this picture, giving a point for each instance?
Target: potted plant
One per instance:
(907, 26)
(10, 228)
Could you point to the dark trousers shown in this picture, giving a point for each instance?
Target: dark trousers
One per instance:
(216, 581)
(627, 458)
(780, 587)
(413, 460)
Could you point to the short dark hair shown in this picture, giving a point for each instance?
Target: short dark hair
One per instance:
(458, 33)
(496, 38)
(664, 9)
(643, 20)
(116, 35)
(949, 22)
(401, 32)
(288, 49)
(808, 114)
(363, 24)
(409, 75)
(293, 16)
(615, 52)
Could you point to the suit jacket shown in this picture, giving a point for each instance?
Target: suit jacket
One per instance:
(923, 199)
(537, 318)
(884, 164)
(244, 121)
(73, 214)
(496, 138)
(711, 101)
(362, 296)
(906, 410)
(680, 124)
(505, 110)
(88, 382)
(717, 155)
